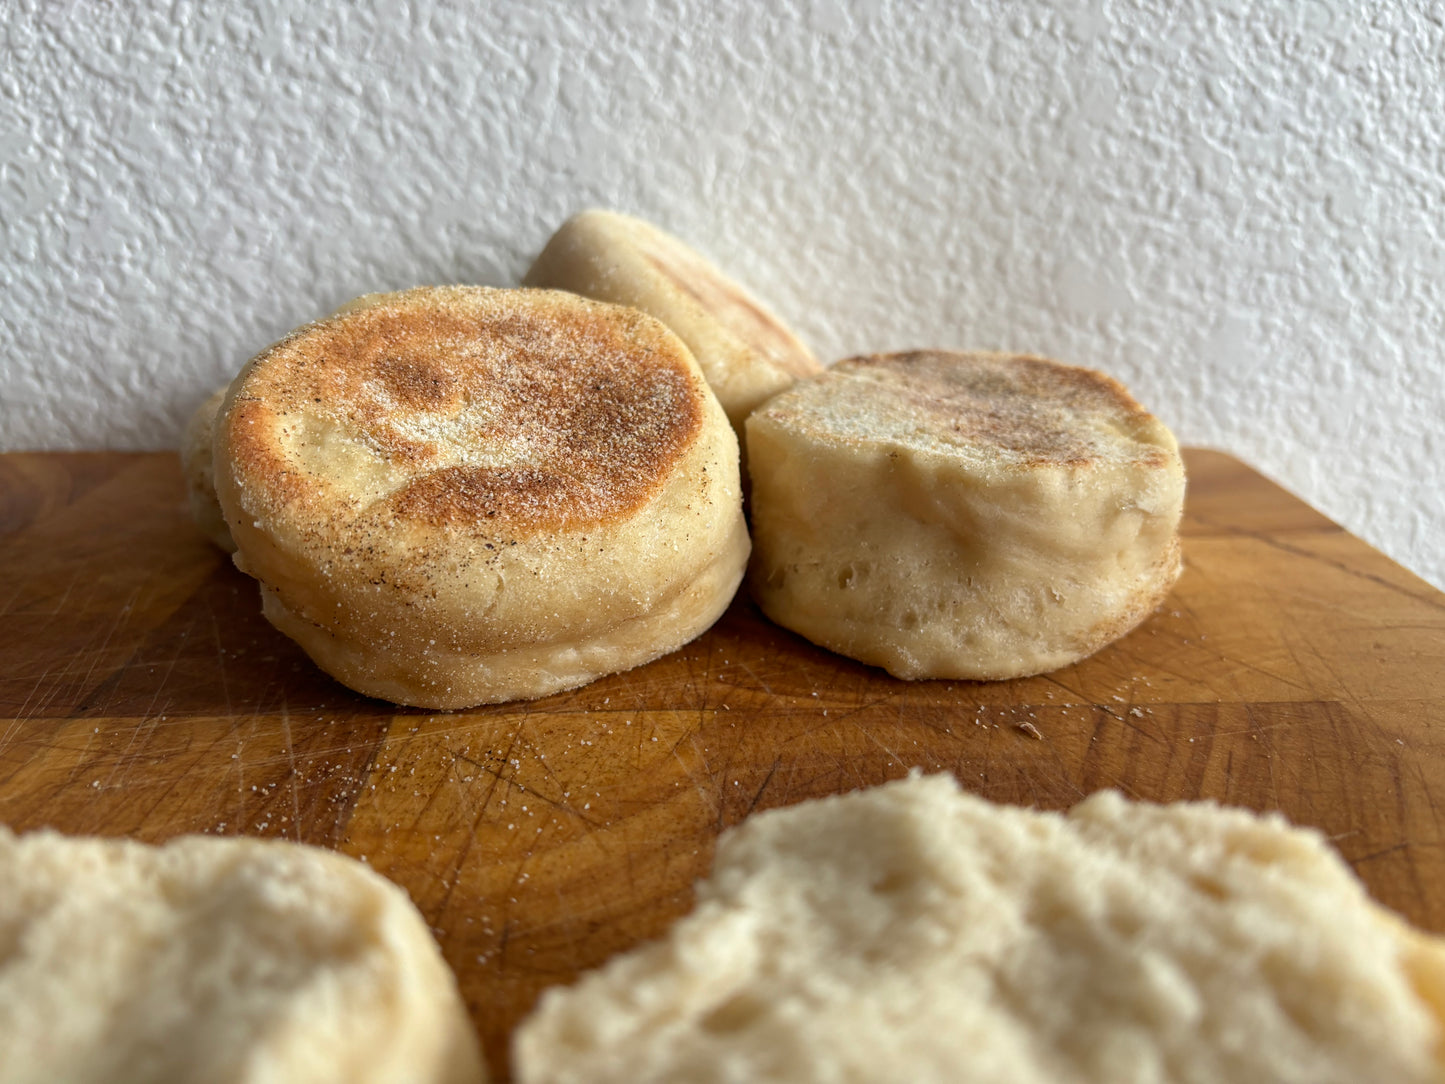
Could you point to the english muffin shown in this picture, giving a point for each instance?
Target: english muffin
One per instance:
(915, 933)
(746, 353)
(457, 495)
(952, 515)
(212, 960)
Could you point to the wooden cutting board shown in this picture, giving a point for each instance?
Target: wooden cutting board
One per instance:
(142, 694)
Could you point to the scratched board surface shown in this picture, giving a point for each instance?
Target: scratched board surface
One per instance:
(142, 694)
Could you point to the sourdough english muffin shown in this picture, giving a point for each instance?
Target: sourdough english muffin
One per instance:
(214, 960)
(916, 933)
(746, 352)
(950, 515)
(458, 495)
(196, 452)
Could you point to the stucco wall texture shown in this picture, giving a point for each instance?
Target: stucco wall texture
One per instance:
(1235, 207)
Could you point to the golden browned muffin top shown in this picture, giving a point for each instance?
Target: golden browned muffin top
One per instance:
(1033, 411)
(469, 407)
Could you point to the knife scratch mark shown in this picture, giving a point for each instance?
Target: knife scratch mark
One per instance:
(709, 797)
(1277, 677)
(120, 616)
(65, 597)
(754, 675)
(123, 758)
(1125, 720)
(220, 658)
(766, 780)
(564, 807)
(896, 758)
(450, 884)
(1379, 854)
(847, 715)
(291, 761)
(160, 685)
(1340, 566)
(1255, 728)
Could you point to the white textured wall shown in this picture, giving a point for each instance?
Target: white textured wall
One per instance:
(1236, 207)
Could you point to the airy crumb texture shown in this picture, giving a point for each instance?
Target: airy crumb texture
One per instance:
(915, 933)
(980, 516)
(456, 495)
(217, 961)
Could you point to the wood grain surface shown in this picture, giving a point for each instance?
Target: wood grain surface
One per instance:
(142, 694)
